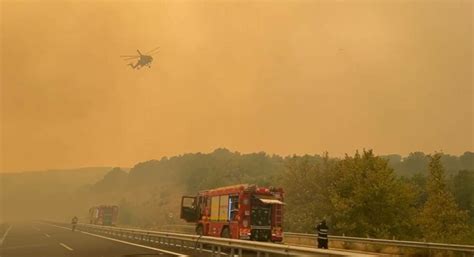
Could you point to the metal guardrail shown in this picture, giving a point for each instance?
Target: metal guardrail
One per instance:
(217, 245)
(367, 241)
(408, 244)
(466, 249)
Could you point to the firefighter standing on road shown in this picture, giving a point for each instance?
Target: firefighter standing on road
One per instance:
(74, 223)
(322, 230)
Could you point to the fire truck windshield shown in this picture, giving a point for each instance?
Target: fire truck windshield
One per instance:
(189, 202)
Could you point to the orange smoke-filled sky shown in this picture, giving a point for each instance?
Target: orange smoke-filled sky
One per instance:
(285, 77)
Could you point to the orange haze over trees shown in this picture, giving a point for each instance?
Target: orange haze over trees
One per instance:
(284, 77)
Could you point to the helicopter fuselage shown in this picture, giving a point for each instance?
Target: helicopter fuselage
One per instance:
(143, 59)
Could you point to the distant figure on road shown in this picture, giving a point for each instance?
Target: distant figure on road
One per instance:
(322, 230)
(74, 223)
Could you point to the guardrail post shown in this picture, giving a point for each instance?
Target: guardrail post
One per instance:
(240, 252)
(219, 251)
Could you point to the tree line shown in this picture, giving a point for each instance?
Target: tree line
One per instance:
(419, 197)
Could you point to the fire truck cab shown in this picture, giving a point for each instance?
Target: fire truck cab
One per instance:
(103, 215)
(240, 212)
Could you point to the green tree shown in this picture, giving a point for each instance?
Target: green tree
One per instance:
(467, 161)
(441, 220)
(305, 181)
(464, 190)
(418, 184)
(395, 162)
(114, 181)
(415, 162)
(368, 199)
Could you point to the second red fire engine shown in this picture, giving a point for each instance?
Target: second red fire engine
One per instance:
(103, 215)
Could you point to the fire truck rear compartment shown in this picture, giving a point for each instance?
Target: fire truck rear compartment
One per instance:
(260, 222)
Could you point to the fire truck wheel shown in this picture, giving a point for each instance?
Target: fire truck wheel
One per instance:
(225, 233)
(199, 230)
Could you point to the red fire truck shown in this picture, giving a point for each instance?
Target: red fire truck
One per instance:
(239, 212)
(103, 215)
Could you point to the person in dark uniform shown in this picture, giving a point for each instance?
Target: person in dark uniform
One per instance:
(74, 223)
(322, 230)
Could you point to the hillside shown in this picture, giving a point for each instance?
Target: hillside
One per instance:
(149, 193)
(43, 193)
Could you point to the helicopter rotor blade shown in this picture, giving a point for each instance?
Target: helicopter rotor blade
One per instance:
(153, 50)
(131, 58)
(152, 53)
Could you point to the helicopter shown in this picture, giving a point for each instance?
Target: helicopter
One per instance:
(143, 59)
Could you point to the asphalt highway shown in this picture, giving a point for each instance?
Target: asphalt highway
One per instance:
(42, 240)
(48, 240)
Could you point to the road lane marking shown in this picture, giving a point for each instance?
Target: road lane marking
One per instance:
(67, 247)
(138, 245)
(120, 241)
(46, 235)
(204, 250)
(5, 235)
(24, 246)
(37, 229)
(57, 226)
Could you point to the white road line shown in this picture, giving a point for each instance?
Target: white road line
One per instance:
(24, 246)
(67, 247)
(5, 235)
(57, 226)
(142, 246)
(37, 229)
(124, 242)
(46, 235)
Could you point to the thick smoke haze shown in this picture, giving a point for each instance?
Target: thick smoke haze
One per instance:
(277, 76)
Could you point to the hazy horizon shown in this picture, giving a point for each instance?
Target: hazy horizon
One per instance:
(283, 77)
(127, 168)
